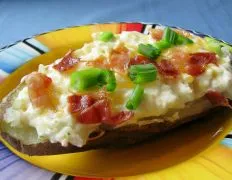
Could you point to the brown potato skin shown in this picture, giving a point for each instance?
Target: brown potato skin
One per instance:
(112, 138)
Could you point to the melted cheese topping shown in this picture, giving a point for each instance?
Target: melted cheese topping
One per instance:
(159, 97)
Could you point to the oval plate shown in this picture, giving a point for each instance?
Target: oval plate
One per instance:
(162, 156)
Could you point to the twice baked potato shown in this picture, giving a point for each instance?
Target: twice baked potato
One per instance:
(118, 90)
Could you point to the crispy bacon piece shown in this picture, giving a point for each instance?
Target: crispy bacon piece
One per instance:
(119, 60)
(98, 112)
(103, 110)
(78, 103)
(86, 101)
(88, 110)
(89, 116)
(85, 108)
(39, 89)
(74, 103)
(167, 69)
(67, 63)
(217, 99)
(197, 62)
(157, 34)
(139, 60)
(195, 69)
(203, 58)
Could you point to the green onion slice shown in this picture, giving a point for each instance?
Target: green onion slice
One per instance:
(183, 40)
(142, 73)
(108, 79)
(135, 98)
(169, 35)
(148, 50)
(106, 36)
(174, 38)
(84, 79)
(162, 44)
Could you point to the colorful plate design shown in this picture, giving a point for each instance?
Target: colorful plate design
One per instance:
(215, 164)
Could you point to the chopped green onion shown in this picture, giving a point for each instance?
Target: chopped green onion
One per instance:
(106, 36)
(162, 44)
(142, 73)
(87, 78)
(84, 79)
(135, 98)
(108, 79)
(174, 38)
(169, 35)
(148, 50)
(183, 40)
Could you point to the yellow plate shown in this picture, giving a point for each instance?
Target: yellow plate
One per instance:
(164, 153)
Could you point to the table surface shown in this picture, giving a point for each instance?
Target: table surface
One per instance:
(24, 18)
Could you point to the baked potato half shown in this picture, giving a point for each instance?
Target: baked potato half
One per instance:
(119, 90)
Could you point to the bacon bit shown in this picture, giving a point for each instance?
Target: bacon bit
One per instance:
(103, 110)
(198, 61)
(120, 117)
(88, 110)
(83, 107)
(89, 116)
(98, 112)
(217, 99)
(86, 101)
(74, 103)
(157, 34)
(78, 103)
(139, 60)
(194, 69)
(203, 58)
(67, 63)
(39, 89)
(166, 68)
(119, 61)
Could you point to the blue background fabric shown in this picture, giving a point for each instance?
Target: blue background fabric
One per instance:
(20, 19)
